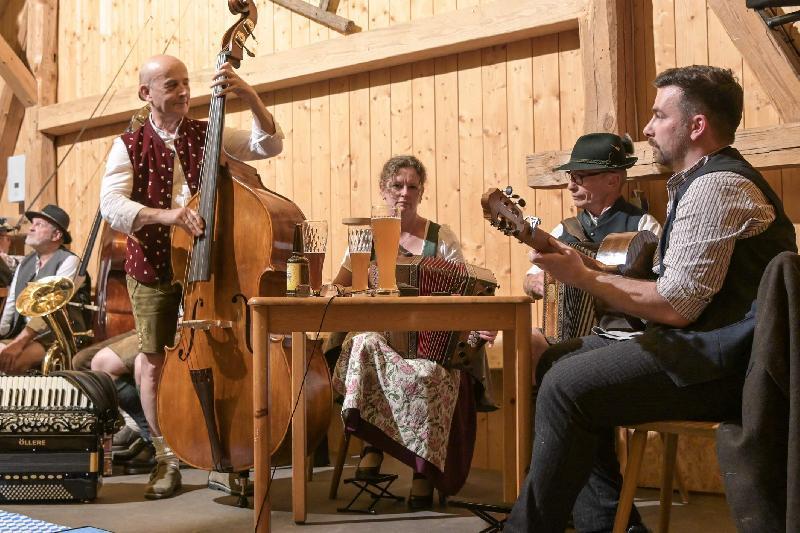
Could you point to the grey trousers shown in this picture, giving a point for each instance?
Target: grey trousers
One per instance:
(588, 386)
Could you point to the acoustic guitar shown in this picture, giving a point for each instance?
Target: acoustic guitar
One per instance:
(629, 254)
(570, 312)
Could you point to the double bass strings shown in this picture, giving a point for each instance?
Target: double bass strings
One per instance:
(297, 400)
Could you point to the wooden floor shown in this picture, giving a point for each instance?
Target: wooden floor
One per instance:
(121, 508)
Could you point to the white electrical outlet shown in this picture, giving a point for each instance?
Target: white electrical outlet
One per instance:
(15, 183)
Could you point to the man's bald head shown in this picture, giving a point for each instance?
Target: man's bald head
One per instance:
(159, 66)
(164, 84)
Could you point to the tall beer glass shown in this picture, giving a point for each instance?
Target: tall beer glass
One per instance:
(315, 242)
(359, 242)
(386, 239)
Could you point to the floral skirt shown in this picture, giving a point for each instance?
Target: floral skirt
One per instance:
(413, 409)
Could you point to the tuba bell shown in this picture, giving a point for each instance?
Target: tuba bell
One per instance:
(47, 298)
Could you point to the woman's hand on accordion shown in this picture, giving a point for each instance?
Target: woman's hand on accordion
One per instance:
(488, 336)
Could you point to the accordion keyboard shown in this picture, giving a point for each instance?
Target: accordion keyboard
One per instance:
(40, 392)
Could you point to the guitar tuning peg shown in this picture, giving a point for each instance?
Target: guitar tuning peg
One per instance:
(509, 190)
(521, 202)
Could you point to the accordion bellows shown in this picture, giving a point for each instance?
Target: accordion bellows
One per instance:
(435, 277)
(568, 312)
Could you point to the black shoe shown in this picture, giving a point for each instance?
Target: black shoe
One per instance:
(143, 462)
(366, 473)
(420, 502)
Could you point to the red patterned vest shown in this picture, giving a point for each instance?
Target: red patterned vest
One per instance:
(148, 254)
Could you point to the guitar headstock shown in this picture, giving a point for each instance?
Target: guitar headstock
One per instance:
(503, 210)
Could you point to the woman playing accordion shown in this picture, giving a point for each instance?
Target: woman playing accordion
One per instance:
(413, 409)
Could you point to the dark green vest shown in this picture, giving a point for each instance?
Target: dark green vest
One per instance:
(622, 216)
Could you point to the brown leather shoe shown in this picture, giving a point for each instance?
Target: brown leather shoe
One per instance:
(165, 481)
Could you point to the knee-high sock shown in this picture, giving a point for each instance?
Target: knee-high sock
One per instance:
(164, 453)
(128, 398)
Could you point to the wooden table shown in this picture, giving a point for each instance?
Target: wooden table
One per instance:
(511, 315)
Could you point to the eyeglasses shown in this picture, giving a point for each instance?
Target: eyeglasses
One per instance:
(577, 176)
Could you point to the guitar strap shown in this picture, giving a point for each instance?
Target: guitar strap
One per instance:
(573, 226)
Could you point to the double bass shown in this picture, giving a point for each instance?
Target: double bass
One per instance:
(205, 400)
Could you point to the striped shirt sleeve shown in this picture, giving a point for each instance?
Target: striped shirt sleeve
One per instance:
(717, 209)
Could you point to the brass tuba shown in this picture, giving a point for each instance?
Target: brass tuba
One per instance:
(47, 298)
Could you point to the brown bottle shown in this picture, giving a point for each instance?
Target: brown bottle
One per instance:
(296, 265)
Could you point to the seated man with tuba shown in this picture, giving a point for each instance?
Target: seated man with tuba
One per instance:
(23, 343)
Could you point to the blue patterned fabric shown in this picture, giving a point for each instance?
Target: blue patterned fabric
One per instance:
(16, 522)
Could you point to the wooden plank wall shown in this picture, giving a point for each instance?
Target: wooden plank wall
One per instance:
(470, 117)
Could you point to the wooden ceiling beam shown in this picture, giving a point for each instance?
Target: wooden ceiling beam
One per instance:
(602, 52)
(11, 115)
(773, 61)
(41, 49)
(765, 148)
(462, 30)
(17, 75)
(319, 14)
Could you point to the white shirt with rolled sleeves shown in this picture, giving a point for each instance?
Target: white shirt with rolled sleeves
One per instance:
(116, 205)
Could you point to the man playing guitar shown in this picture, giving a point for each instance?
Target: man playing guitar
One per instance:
(724, 225)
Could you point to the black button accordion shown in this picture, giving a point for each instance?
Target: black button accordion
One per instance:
(433, 276)
(51, 433)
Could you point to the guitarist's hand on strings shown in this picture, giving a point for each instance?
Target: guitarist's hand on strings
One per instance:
(565, 264)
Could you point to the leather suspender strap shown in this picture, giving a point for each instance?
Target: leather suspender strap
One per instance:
(573, 226)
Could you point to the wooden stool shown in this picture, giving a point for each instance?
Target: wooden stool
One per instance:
(338, 465)
(670, 429)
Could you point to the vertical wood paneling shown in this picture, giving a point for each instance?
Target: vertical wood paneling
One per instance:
(520, 142)
(402, 126)
(360, 171)
(572, 99)
(423, 142)
(495, 159)
(448, 180)
(340, 168)
(301, 149)
(471, 118)
(284, 183)
(470, 135)
(380, 127)
(690, 19)
(320, 163)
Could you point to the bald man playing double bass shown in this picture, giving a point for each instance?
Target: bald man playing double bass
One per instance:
(150, 176)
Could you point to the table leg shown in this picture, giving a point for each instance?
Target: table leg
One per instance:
(524, 420)
(299, 453)
(509, 417)
(261, 504)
